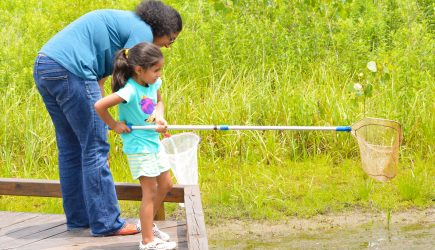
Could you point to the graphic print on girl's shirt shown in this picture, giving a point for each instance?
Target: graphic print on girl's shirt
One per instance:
(148, 107)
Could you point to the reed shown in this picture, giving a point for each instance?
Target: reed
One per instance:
(255, 63)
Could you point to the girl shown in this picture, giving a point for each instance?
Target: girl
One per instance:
(135, 83)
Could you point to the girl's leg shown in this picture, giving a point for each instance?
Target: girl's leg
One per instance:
(146, 213)
(164, 185)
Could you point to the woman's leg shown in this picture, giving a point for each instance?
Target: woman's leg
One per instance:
(87, 184)
(98, 184)
(146, 212)
(52, 82)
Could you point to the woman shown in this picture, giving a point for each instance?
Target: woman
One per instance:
(69, 72)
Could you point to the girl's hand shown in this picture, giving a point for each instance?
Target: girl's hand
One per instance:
(161, 124)
(120, 128)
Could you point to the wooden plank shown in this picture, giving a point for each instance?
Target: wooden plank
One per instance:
(29, 187)
(51, 188)
(82, 240)
(39, 233)
(131, 191)
(189, 194)
(14, 218)
(34, 231)
(196, 232)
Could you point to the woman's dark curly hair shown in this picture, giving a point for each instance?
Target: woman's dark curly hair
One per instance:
(163, 19)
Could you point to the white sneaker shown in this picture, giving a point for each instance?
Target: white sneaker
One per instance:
(160, 234)
(157, 244)
(156, 232)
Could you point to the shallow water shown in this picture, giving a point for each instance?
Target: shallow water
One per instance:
(367, 236)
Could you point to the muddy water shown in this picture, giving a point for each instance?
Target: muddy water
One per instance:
(371, 235)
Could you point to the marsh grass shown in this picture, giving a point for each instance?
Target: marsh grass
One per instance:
(254, 63)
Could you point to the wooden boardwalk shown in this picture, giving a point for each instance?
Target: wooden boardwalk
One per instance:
(48, 231)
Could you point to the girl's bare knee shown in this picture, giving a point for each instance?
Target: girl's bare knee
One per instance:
(149, 192)
(166, 186)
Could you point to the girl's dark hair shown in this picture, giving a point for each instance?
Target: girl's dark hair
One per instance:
(143, 54)
(163, 19)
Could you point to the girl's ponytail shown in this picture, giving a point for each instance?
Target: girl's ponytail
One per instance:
(121, 70)
(142, 54)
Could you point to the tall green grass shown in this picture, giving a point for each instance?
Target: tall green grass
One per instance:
(255, 63)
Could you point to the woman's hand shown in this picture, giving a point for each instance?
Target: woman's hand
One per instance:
(120, 128)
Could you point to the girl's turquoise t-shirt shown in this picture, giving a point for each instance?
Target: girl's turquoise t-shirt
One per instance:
(87, 46)
(139, 109)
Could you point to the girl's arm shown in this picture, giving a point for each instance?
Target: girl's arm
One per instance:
(160, 110)
(102, 106)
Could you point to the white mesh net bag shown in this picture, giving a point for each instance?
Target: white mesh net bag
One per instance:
(181, 150)
(379, 144)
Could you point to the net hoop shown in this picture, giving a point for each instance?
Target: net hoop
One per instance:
(379, 144)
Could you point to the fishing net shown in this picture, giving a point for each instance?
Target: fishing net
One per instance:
(378, 140)
(181, 150)
(379, 144)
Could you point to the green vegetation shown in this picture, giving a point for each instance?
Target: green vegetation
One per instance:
(255, 63)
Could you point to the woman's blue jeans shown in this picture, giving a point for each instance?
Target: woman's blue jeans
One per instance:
(88, 190)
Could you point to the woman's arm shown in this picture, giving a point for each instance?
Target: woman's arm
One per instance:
(102, 106)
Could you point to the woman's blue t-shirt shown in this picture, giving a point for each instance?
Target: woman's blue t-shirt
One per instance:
(87, 46)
